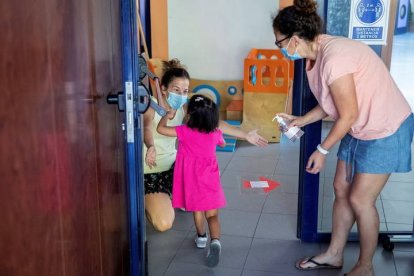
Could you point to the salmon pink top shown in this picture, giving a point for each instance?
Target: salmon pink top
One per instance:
(381, 106)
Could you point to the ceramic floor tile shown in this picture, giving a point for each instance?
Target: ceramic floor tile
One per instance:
(281, 203)
(246, 149)
(233, 179)
(224, 160)
(289, 152)
(239, 200)
(248, 272)
(276, 226)
(180, 269)
(278, 256)
(404, 262)
(233, 254)
(183, 220)
(288, 183)
(245, 164)
(287, 167)
(404, 247)
(159, 258)
(238, 223)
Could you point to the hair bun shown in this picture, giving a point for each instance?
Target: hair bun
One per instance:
(171, 64)
(305, 6)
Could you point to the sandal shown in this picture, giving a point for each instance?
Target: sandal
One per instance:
(299, 264)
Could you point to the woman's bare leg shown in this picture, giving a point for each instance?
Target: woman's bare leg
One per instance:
(342, 221)
(364, 193)
(159, 211)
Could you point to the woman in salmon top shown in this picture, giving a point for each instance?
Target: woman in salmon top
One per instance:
(373, 122)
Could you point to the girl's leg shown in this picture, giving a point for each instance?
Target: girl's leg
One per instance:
(201, 237)
(365, 191)
(342, 221)
(159, 211)
(199, 222)
(214, 251)
(213, 223)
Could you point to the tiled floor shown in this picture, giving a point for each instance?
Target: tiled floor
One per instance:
(259, 231)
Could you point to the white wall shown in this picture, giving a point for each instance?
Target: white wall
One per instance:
(212, 37)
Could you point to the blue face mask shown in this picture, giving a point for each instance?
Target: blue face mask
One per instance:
(295, 55)
(175, 100)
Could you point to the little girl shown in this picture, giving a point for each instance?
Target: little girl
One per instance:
(196, 184)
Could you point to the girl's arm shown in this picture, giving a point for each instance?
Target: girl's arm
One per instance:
(345, 100)
(221, 143)
(164, 129)
(252, 137)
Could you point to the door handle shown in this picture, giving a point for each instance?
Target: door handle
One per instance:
(143, 100)
(118, 99)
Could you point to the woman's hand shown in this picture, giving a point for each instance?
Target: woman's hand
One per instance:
(293, 120)
(253, 138)
(316, 162)
(150, 157)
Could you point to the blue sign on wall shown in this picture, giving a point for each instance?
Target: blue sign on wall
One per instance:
(369, 11)
(369, 21)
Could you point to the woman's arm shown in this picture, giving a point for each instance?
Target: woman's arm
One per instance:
(164, 129)
(312, 116)
(149, 139)
(345, 100)
(252, 136)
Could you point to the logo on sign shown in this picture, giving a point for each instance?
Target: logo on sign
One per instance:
(369, 11)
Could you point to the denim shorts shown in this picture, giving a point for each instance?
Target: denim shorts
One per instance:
(379, 156)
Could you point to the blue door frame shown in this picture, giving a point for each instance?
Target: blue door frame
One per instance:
(302, 102)
(133, 138)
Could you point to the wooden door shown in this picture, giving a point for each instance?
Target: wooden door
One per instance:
(62, 209)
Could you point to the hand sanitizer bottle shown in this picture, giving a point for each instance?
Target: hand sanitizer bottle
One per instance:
(292, 133)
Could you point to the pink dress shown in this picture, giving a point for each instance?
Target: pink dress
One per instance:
(196, 185)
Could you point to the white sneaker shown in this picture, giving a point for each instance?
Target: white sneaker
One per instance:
(213, 255)
(201, 242)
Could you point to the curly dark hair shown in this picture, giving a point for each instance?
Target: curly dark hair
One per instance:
(203, 114)
(300, 19)
(173, 69)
